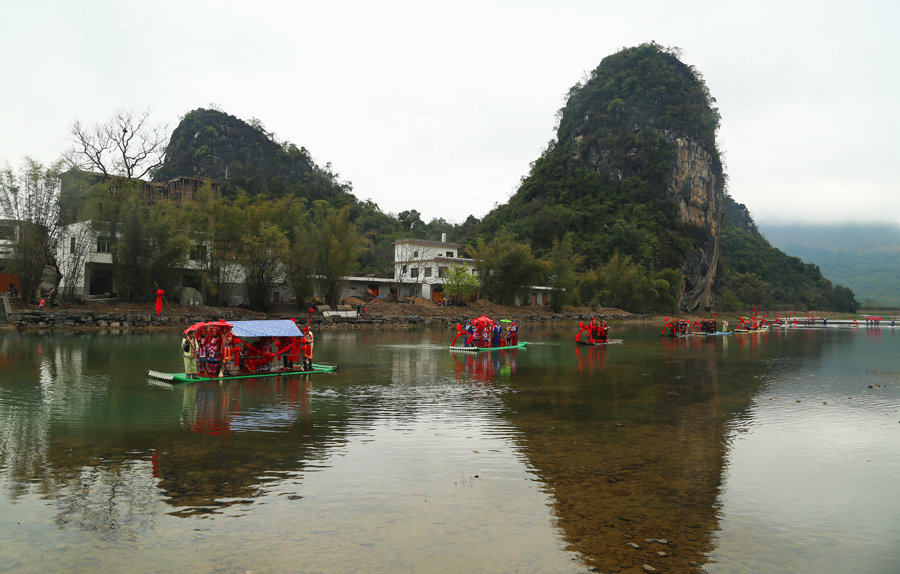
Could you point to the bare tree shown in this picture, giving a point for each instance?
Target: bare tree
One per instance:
(411, 269)
(124, 145)
(76, 241)
(30, 200)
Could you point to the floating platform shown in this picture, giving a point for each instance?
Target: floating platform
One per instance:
(183, 378)
(608, 342)
(474, 349)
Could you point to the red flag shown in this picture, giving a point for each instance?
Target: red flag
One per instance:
(159, 298)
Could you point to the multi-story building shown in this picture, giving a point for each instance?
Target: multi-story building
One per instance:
(420, 266)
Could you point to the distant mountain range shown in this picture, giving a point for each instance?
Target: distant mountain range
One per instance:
(863, 257)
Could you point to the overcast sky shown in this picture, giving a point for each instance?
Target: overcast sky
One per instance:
(441, 107)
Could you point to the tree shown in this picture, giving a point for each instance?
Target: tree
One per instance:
(301, 265)
(124, 145)
(150, 243)
(562, 263)
(506, 269)
(75, 243)
(335, 243)
(30, 199)
(261, 253)
(459, 283)
(411, 220)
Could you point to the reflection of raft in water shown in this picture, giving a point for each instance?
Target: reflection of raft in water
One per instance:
(182, 378)
(473, 349)
(608, 342)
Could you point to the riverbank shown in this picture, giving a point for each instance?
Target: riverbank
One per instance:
(114, 315)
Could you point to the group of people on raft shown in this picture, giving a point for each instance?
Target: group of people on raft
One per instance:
(213, 352)
(486, 333)
(598, 331)
(683, 327)
(754, 323)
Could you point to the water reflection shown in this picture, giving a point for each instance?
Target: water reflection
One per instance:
(590, 357)
(485, 367)
(650, 452)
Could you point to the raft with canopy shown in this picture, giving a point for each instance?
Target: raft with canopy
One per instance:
(679, 328)
(480, 337)
(597, 334)
(250, 349)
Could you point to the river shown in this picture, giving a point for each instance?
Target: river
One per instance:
(772, 452)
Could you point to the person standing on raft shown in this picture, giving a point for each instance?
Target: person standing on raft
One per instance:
(307, 344)
(189, 351)
(497, 332)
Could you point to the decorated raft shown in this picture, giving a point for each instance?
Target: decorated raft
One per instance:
(676, 328)
(474, 349)
(183, 378)
(597, 333)
(485, 334)
(595, 343)
(229, 350)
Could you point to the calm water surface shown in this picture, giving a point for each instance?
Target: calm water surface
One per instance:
(775, 452)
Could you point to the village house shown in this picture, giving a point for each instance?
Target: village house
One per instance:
(86, 263)
(420, 266)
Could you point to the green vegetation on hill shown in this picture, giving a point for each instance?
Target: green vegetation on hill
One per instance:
(603, 178)
(865, 257)
(755, 273)
(212, 144)
(597, 193)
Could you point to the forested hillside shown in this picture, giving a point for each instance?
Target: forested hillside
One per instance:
(865, 257)
(212, 144)
(755, 271)
(247, 159)
(626, 207)
(634, 173)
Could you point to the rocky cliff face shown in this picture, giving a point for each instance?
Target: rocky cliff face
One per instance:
(700, 196)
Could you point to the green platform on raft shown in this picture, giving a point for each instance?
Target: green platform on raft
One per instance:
(480, 349)
(182, 377)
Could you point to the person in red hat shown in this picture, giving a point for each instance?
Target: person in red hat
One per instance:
(307, 344)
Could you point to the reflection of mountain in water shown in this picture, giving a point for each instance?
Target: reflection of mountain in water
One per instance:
(633, 450)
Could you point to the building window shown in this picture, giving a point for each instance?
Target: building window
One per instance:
(449, 254)
(428, 272)
(414, 272)
(198, 253)
(72, 244)
(103, 245)
(442, 271)
(415, 254)
(402, 269)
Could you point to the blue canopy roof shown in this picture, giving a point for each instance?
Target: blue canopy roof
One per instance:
(275, 328)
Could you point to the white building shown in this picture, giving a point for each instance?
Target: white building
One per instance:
(420, 266)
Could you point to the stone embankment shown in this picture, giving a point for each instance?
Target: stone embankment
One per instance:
(88, 320)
